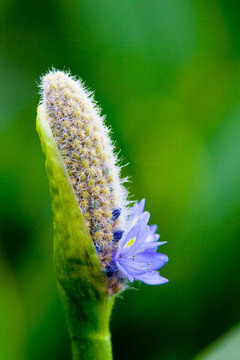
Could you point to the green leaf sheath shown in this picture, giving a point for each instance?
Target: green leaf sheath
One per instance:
(80, 276)
(226, 347)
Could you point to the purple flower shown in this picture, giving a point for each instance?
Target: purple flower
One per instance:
(138, 215)
(137, 257)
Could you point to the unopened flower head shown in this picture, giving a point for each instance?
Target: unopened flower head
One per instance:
(88, 154)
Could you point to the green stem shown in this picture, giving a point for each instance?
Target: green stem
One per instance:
(89, 328)
(86, 349)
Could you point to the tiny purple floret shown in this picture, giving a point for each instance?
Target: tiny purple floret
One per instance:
(115, 214)
(137, 257)
(117, 235)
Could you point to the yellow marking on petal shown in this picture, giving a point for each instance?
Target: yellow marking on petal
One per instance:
(130, 242)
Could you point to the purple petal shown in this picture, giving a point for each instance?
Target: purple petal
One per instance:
(137, 211)
(138, 208)
(140, 235)
(123, 270)
(132, 267)
(143, 262)
(151, 245)
(153, 228)
(133, 233)
(144, 218)
(152, 237)
(152, 278)
(153, 260)
(137, 256)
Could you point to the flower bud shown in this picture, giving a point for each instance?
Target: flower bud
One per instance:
(87, 154)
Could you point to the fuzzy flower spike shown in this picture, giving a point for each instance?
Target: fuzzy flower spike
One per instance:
(125, 244)
(87, 152)
(99, 241)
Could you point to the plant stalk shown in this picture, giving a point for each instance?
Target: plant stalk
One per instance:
(88, 328)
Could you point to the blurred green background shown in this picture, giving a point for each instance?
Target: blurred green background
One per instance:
(166, 72)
